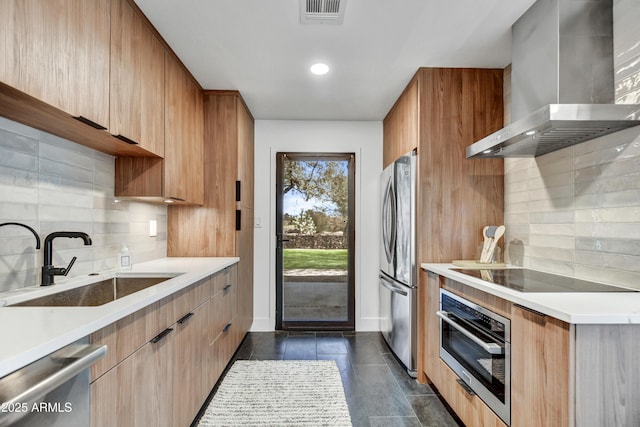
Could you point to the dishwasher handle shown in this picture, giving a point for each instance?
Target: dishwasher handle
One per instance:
(28, 385)
(489, 347)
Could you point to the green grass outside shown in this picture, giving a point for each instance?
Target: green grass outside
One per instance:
(323, 259)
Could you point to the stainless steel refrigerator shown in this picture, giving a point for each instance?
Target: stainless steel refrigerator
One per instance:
(398, 275)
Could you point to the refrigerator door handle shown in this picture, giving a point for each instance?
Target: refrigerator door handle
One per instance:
(388, 209)
(388, 284)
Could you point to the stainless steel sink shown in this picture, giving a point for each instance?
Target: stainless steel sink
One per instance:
(98, 293)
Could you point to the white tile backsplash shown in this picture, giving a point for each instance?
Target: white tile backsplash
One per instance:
(52, 184)
(582, 215)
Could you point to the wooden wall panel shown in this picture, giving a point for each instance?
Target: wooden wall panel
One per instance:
(607, 385)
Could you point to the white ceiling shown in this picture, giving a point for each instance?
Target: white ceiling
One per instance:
(260, 48)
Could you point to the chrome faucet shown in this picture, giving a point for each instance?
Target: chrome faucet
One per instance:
(48, 270)
(28, 228)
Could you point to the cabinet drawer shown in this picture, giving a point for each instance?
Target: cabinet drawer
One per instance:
(469, 408)
(223, 279)
(222, 313)
(225, 344)
(190, 298)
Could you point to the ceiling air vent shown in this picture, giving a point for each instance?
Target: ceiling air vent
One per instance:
(322, 11)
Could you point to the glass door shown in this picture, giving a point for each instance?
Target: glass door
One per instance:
(315, 241)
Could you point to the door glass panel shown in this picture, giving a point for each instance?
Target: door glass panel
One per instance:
(315, 240)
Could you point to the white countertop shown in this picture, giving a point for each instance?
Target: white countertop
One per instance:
(29, 333)
(576, 307)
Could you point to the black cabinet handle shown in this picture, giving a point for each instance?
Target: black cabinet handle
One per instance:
(537, 313)
(466, 387)
(177, 199)
(226, 327)
(238, 220)
(238, 192)
(185, 318)
(125, 139)
(89, 122)
(161, 335)
(226, 288)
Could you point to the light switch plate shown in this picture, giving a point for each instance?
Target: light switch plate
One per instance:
(153, 228)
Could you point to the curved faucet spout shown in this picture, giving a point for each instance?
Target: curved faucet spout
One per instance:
(71, 234)
(48, 270)
(28, 228)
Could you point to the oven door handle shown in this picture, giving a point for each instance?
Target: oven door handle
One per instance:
(489, 347)
(387, 284)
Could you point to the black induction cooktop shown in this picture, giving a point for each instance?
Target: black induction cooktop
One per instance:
(525, 280)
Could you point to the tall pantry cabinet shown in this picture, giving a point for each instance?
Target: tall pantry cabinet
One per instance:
(223, 226)
(440, 113)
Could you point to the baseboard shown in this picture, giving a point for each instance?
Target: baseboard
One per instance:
(371, 324)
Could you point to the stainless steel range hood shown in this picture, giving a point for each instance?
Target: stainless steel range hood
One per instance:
(562, 81)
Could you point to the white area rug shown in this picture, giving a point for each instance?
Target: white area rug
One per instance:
(279, 393)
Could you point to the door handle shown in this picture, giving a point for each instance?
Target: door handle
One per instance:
(280, 240)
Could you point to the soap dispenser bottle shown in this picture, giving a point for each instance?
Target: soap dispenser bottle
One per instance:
(124, 258)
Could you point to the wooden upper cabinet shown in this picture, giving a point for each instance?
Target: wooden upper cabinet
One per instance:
(227, 128)
(184, 135)
(401, 125)
(245, 153)
(58, 52)
(137, 80)
(179, 176)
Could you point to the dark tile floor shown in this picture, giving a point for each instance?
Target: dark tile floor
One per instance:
(378, 390)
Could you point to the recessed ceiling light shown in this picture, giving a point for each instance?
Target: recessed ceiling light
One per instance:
(319, 69)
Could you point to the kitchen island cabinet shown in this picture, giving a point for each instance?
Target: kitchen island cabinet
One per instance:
(573, 356)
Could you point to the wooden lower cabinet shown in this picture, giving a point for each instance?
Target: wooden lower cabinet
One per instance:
(163, 378)
(189, 360)
(540, 360)
(137, 392)
(469, 408)
(541, 355)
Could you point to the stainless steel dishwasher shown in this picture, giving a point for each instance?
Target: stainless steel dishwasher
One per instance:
(52, 391)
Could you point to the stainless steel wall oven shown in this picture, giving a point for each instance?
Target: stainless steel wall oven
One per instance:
(475, 344)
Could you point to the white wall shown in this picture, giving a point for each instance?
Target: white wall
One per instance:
(362, 138)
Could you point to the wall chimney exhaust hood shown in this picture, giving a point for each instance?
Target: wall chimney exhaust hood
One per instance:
(562, 81)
